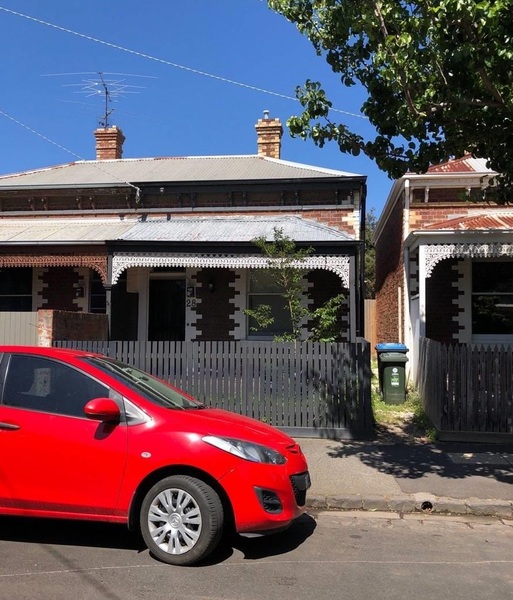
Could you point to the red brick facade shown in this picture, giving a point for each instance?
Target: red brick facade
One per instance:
(215, 311)
(425, 216)
(59, 288)
(61, 325)
(390, 278)
(441, 306)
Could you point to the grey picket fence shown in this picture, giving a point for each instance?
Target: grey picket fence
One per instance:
(308, 389)
(467, 389)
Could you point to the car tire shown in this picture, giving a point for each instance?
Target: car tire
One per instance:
(181, 520)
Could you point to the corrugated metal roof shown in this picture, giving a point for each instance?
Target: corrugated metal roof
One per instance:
(465, 164)
(180, 229)
(61, 230)
(476, 222)
(174, 170)
(232, 229)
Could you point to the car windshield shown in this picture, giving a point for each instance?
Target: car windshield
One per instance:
(151, 388)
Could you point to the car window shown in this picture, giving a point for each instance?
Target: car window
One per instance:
(37, 383)
(147, 386)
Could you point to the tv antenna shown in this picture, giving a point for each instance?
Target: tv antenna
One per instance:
(108, 98)
(107, 85)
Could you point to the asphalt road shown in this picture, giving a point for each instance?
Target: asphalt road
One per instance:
(354, 556)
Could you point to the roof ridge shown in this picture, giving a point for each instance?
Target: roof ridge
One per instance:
(159, 158)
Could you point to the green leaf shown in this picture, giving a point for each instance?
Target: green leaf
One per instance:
(436, 74)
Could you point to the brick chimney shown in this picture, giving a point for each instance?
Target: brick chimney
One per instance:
(109, 143)
(269, 132)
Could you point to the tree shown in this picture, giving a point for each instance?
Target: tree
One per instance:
(284, 264)
(438, 74)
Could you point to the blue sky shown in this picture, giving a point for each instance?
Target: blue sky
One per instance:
(184, 63)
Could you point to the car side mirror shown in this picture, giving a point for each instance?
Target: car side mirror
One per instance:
(103, 409)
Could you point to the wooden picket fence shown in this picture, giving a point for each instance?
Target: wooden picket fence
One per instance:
(467, 390)
(308, 389)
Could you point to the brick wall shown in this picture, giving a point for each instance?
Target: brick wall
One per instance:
(341, 218)
(388, 310)
(426, 215)
(215, 309)
(59, 287)
(389, 278)
(60, 325)
(442, 302)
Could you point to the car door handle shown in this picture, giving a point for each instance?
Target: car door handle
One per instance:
(9, 426)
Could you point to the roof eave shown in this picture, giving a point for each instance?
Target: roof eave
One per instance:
(67, 186)
(416, 238)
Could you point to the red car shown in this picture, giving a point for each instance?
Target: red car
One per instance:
(84, 436)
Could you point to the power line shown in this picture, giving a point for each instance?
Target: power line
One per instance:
(43, 137)
(47, 139)
(166, 62)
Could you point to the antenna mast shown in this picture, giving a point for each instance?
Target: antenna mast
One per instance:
(106, 93)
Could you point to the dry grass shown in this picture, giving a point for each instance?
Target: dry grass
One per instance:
(401, 422)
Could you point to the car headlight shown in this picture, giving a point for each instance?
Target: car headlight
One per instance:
(246, 450)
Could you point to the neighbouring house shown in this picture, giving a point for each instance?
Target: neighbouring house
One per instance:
(165, 246)
(444, 259)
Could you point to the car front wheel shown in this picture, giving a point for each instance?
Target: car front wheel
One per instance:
(181, 520)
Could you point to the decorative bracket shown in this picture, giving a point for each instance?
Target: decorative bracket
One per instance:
(126, 260)
(437, 252)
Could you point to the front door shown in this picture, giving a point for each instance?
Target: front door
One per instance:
(166, 318)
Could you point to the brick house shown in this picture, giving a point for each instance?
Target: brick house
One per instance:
(164, 246)
(444, 259)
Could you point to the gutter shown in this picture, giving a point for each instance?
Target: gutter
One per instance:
(414, 238)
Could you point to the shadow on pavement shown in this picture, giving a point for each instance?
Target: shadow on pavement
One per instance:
(415, 460)
(254, 548)
(69, 533)
(277, 543)
(106, 535)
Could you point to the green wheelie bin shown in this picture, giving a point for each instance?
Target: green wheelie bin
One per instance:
(392, 361)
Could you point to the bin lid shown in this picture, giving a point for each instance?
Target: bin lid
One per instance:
(391, 347)
(393, 357)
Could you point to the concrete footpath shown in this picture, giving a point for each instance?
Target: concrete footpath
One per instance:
(407, 476)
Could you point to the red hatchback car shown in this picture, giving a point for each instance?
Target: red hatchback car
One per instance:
(84, 436)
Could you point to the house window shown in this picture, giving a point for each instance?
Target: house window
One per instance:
(492, 298)
(264, 291)
(16, 289)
